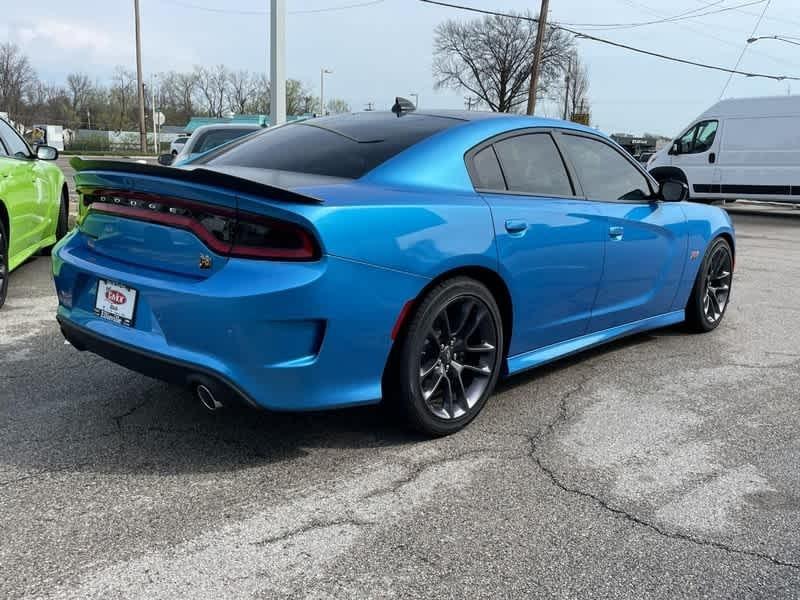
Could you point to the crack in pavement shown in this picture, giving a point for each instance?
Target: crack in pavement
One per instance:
(560, 419)
(313, 525)
(118, 418)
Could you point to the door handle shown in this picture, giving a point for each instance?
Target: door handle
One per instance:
(712, 158)
(615, 232)
(516, 226)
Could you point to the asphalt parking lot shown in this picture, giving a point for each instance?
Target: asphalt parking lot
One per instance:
(666, 465)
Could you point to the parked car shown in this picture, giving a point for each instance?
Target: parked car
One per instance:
(414, 257)
(34, 202)
(177, 144)
(740, 148)
(206, 138)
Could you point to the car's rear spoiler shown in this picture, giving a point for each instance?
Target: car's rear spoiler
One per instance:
(198, 175)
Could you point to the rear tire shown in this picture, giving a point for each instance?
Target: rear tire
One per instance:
(712, 288)
(449, 359)
(3, 264)
(62, 225)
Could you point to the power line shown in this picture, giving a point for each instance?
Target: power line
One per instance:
(234, 11)
(593, 38)
(691, 14)
(744, 48)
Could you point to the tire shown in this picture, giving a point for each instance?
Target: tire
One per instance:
(62, 228)
(449, 358)
(3, 264)
(62, 225)
(707, 304)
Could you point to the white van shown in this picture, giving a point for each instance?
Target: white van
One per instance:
(741, 148)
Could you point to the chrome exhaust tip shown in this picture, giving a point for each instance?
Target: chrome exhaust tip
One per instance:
(207, 398)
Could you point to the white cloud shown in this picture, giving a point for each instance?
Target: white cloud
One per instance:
(51, 36)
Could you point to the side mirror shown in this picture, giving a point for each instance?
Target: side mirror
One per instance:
(674, 149)
(46, 153)
(165, 159)
(672, 190)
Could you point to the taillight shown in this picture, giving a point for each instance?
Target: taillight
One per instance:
(258, 237)
(223, 230)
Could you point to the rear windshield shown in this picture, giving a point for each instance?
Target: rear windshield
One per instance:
(342, 146)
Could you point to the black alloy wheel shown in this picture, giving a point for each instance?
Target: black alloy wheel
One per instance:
(712, 289)
(451, 356)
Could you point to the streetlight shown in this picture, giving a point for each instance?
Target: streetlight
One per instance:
(416, 99)
(322, 72)
(780, 38)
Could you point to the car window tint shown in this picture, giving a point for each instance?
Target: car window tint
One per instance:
(212, 139)
(486, 170)
(347, 146)
(14, 143)
(604, 173)
(532, 165)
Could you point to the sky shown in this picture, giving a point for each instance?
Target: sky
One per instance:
(383, 50)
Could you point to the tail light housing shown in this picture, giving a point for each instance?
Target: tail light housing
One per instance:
(225, 231)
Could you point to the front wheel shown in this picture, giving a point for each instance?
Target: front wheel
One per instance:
(450, 357)
(712, 288)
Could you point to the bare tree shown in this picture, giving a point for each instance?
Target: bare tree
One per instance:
(259, 101)
(336, 106)
(123, 90)
(212, 86)
(574, 92)
(16, 77)
(299, 100)
(80, 89)
(240, 90)
(491, 58)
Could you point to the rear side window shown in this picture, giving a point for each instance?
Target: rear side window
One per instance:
(603, 172)
(488, 175)
(532, 165)
(212, 139)
(343, 146)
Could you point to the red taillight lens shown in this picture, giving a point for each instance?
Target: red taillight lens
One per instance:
(258, 237)
(223, 230)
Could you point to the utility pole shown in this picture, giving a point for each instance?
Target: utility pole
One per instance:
(277, 59)
(139, 81)
(469, 101)
(155, 121)
(370, 106)
(566, 92)
(322, 72)
(537, 57)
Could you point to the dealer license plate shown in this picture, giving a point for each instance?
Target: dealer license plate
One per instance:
(115, 302)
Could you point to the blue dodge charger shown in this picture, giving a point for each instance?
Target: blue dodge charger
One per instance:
(405, 256)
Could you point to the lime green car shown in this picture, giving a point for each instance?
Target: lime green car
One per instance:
(34, 202)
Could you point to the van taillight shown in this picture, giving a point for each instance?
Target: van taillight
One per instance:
(223, 230)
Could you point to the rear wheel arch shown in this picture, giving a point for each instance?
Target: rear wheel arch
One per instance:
(491, 279)
(4, 218)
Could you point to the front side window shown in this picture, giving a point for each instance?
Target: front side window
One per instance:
(15, 145)
(604, 173)
(532, 165)
(698, 139)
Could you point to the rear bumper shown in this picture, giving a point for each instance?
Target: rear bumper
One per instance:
(282, 336)
(144, 362)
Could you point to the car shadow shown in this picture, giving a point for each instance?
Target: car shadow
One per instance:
(104, 418)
